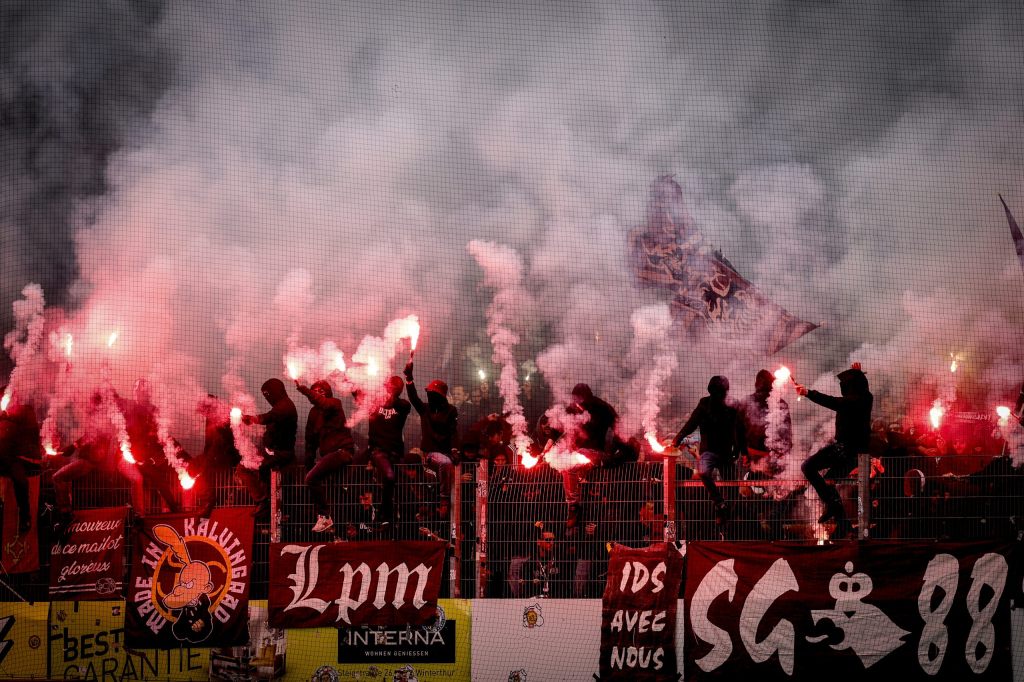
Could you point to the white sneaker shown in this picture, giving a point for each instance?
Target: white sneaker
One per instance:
(323, 524)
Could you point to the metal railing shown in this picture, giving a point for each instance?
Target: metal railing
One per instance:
(507, 527)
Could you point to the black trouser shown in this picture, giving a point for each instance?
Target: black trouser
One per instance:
(325, 466)
(14, 469)
(382, 464)
(159, 476)
(258, 480)
(837, 460)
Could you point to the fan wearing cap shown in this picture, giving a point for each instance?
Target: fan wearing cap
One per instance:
(439, 426)
(853, 434)
(327, 434)
(721, 440)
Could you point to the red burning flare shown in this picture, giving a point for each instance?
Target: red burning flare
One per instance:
(935, 415)
(652, 440)
(783, 374)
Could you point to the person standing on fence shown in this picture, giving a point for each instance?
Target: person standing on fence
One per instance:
(721, 440)
(853, 435)
(328, 434)
(439, 426)
(767, 433)
(282, 423)
(220, 456)
(386, 444)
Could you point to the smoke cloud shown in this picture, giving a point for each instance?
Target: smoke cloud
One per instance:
(225, 183)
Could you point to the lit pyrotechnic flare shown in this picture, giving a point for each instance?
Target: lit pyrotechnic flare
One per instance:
(954, 362)
(294, 369)
(1004, 413)
(782, 375)
(67, 344)
(580, 458)
(935, 414)
(372, 368)
(339, 361)
(112, 339)
(5, 401)
(526, 459)
(482, 374)
(652, 440)
(126, 452)
(186, 481)
(49, 449)
(236, 416)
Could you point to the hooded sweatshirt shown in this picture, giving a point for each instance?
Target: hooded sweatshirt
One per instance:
(282, 421)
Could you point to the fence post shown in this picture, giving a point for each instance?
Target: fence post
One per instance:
(668, 497)
(863, 495)
(275, 505)
(455, 588)
(482, 488)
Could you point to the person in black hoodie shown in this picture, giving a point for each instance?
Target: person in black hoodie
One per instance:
(282, 423)
(220, 456)
(721, 440)
(439, 427)
(327, 432)
(386, 445)
(853, 434)
(754, 413)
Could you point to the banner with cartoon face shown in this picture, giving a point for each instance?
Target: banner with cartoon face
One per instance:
(88, 562)
(906, 609)
(189, 582)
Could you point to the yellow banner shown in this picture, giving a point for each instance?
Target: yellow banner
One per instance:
(87, 643)
(23, 639)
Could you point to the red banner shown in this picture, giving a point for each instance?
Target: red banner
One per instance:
(19, 552)
(638, 614)
(316, 585)
(906, 610)
(89, 562)
(189, 581)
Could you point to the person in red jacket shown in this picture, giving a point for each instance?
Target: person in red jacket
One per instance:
(327, 433)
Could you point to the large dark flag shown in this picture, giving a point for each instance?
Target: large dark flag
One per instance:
(189, 581)
(1018, 238)
(707, 293)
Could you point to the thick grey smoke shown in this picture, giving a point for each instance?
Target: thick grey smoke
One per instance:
(311, 171)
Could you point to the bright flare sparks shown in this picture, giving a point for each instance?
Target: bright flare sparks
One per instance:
(112, 339)
(652, 440)
(580, 458)
(482, 374)
(294, 369)
(186, 481)
(1004, 412)
(952, 366)
(68, 344)
(126, 453)
(5, 401)
(236, 416)
(527, 460)
(935, 415)
(372, 368)
(49, 449)
(783, 374)
(339, 361)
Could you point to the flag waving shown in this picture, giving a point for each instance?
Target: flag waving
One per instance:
(1018, 238)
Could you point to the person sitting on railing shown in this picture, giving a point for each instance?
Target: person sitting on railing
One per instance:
(282, 423)
(385, 443)
(853, 433)
(721, 440)
(439, 428)
(768, 435)
(327, 434)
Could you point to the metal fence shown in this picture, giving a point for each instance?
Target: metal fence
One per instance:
(507, 530)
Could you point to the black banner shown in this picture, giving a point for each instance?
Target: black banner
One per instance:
(906, 610)
(189, 581)
(638, 614)
(433, 643)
